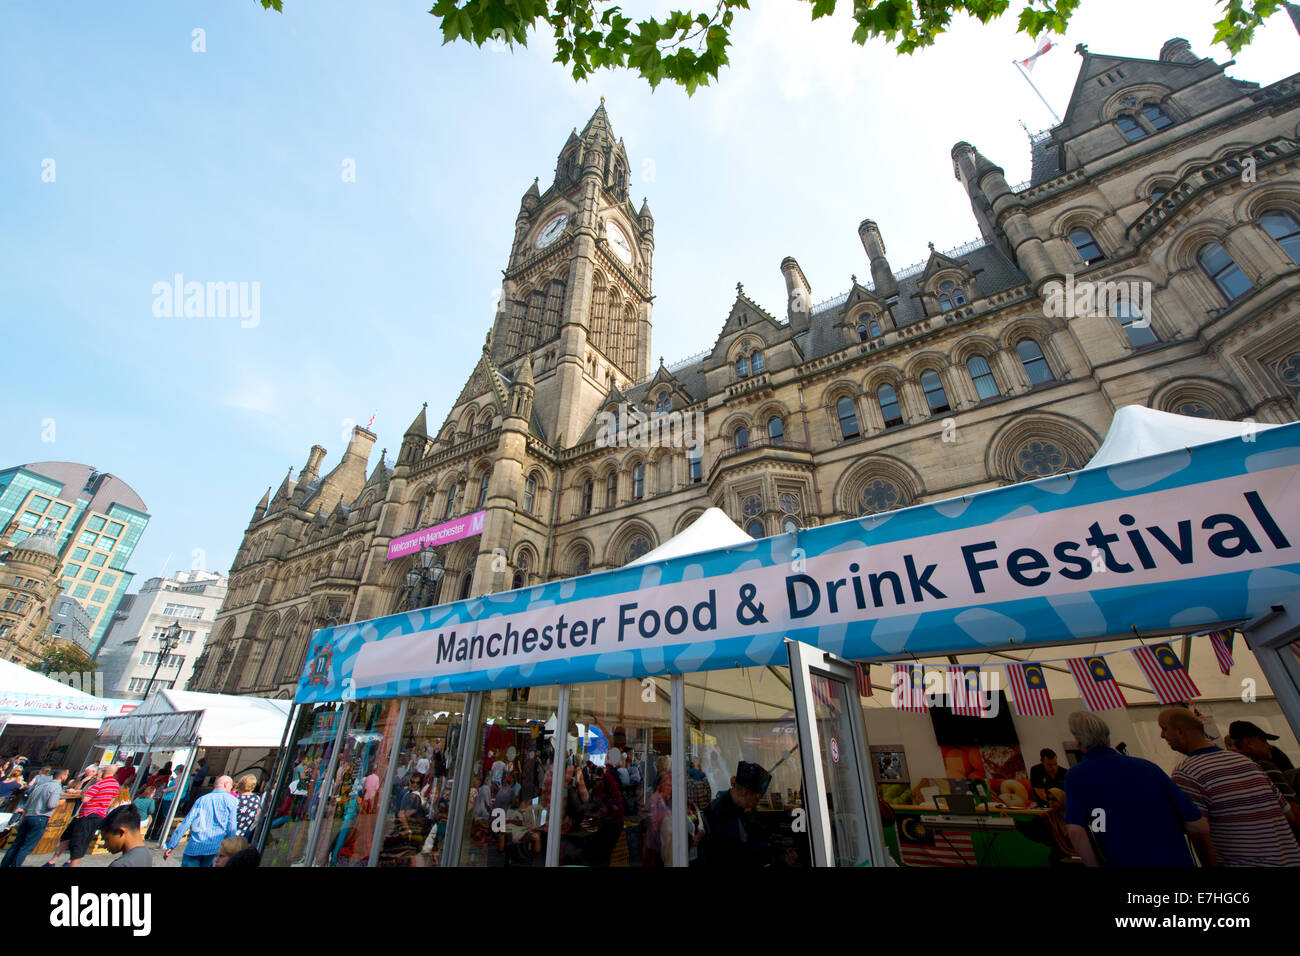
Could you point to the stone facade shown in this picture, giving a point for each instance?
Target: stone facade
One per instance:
(1170, 190)
(29, 583)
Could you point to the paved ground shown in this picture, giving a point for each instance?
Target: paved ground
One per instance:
(103, 859)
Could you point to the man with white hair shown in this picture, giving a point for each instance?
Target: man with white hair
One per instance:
(1128, 806)
(213, 818)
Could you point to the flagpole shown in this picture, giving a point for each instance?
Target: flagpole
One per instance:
(1036, 90)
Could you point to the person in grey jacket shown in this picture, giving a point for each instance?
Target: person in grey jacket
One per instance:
(42, 800)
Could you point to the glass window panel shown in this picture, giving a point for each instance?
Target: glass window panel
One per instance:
(742, 439)
(351, 809)
(934, 393)
(114, 528)
(875, 329)
(95, 523)
(985, 385)
(889, 409)
(108, 580)
(1130, 127)
(59, 511)
(734, 715)
(757, 360)
(848, 417)
(509, 793)
(39, 503)
(98, 560)
(72, 570)
(90, 575)
(28, 519)
(81, 591)
(1285, 230)
(1086, 245)
(80, 554)
(1031, 356)
(1130, 319)
(742, 367)
(311, 743)
(775, 429)
(87, 538)
(1225, 272)
(1157, 117)
(100, 596)
(415, 825)
(618, 779)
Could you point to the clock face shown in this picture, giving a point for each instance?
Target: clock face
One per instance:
(552, 230)
(617, 241)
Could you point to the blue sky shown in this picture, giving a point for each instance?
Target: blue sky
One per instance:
(376, 295)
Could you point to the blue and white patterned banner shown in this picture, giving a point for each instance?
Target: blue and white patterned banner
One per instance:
(1176, 542)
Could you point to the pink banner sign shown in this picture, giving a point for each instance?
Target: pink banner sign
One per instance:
(445, 533)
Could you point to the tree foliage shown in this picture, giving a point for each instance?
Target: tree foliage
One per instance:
(689, 48)
(64, 660)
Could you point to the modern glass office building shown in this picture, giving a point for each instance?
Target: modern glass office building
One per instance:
(97, 519)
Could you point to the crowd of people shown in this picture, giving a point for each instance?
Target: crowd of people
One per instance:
(1227, 805)
(112, 804)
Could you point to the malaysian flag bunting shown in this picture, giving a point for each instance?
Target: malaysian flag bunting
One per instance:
(1044, 45)
(909, 688)
(1221, 641)
(1029, 684)
(1096, 683)
(964, 691)
(864, 680)
(918, 845)
(1165, 673)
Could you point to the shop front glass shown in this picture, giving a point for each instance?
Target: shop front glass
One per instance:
(295, 802)
(351, 810)
(509, 787)
(419, 799)
(617, 800)
(748, 816)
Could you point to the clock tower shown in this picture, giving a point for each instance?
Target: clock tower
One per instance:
(576, 293)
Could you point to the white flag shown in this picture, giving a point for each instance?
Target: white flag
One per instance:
(1043, 47)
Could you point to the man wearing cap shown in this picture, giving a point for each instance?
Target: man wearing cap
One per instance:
(1249, 739)
(729, 838)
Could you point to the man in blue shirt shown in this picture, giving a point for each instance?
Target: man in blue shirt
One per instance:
(213, 818)
(1135, 813)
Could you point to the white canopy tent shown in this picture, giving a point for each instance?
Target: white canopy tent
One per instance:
(184, 717)
(1138, 432)
(30, 698)
(713, 529)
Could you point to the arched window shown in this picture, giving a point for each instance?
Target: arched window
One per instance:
(1284, 229)
(697, 466)
(611, 489)
(889, 409)
(1031, 357)
(934, 393)
(1130, 127)
(483, 489)
(466, 586)
(848, 417)
(951, 295)
(741, 438)
(530, 494)
(1223, 271)
(1159, 193)
(742, 367)
(419, 510)
(875, 329)
(587, 488)
(451, 503)
(862, 333)
(1086, 246)
(789, 525)
(1157, 117)
(640, 545)
(776, 430)
(754, 529)
(663, 403)
(638, 482)
(756, 362)
(1134, 324)
(986, 386)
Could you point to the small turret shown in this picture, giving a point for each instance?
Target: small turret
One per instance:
(882, 276)
(798, 294)
(1177, 50)
(260, 511)
(415, 439)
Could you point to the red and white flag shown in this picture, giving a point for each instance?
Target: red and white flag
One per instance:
(1166, 673)
(964, 691)
(909, 688)
(1221, 641)
(1029, 684)
(1043, 46)
(864, 680)
(821, 689)
(1096, 683)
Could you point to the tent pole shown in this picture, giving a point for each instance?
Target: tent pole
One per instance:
(1268, 636)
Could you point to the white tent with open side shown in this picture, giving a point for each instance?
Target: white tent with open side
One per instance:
(30, 698)
(181, 718)
(1138, 432)
(713, 529)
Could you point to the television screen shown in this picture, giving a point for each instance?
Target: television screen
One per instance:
(951, 730)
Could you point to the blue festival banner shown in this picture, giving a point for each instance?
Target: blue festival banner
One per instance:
(1173, 543)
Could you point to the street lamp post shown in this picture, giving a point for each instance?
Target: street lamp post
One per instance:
(423, 577)
(167, 641)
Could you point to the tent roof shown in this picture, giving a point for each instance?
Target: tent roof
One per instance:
(228, 720)
(709, 531)
(1137, 432)
(15, 679)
